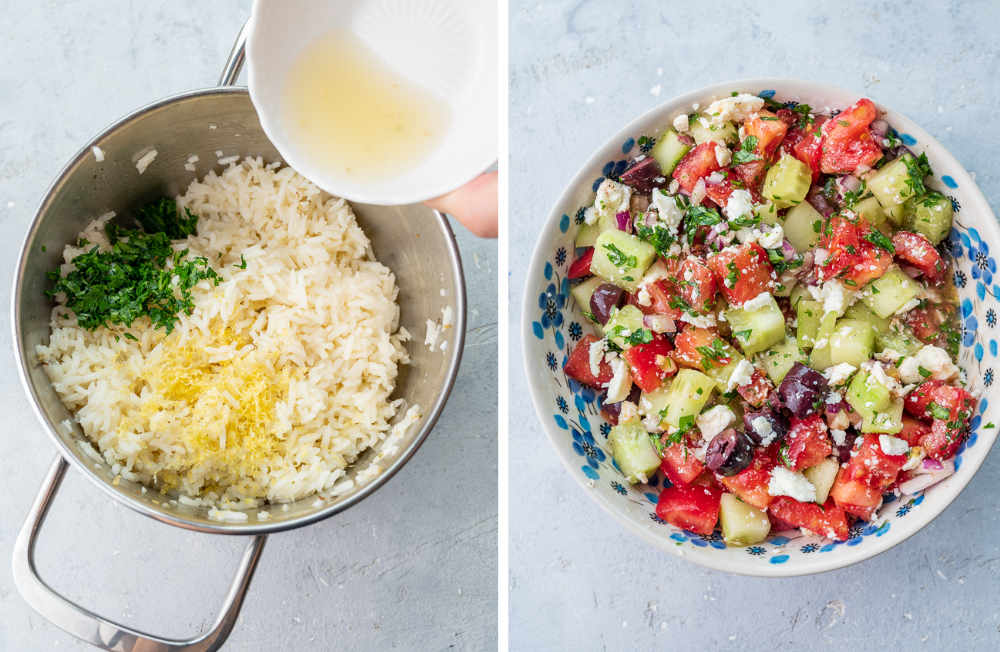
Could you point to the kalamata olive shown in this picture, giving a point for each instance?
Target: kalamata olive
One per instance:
(844, 451)
(765, 426)
(611, 411)
(605, 297)
(802, 390)
(642, 175)
(729, 452)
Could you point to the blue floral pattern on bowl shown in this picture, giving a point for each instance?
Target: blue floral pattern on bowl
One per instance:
(557, 325)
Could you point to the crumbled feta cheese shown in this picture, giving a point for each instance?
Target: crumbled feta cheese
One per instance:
(742, 375)
(621, 381)
(908, 306)
(877, 376)
(833, 398)
(839, 373)
(791, 483)
(642, 297)
(764, 430)
(612, 198)
(698, 193)
(699, 321)
(893, 445)
(715, 178)
(834, 297)
(839, 436)
(735, 109)
(589, 215)
(627, 412)
(739, 203)
(682, 124)
(916, 456)
(771, 236)
(713, 421)
(819, 256)
(673, 187)
(669, 212)
(888, 355)
(931, 359)
(760, 301)
(596, 352)
(723, 156)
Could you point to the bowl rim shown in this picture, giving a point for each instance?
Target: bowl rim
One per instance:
(728, 563)
(267, 118)
(431, 415)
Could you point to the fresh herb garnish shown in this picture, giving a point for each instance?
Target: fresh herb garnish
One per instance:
(657, 235)
(619, 258)
(917, 170)
(852, 197)
(880, 239)
(140, 276)
(733, 274)
(243, 262)
(747, 151)
(696, 216)
(923, 372)
(804, 118)
(937, 411)
(780, 264)
(744, 335)
(712, 354)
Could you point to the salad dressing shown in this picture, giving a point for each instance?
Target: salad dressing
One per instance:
(354, 115)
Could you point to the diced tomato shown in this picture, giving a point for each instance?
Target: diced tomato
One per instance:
(871, 465)
(789, 117)
(691, 507)
(686, 346)
(660, 292)
(917, 250)
(933, 322)
(679, 464)
(751, 174)
(750, 484)
(855, 497)
(697, 164)
(805, 145)
(927, 401)
(578, 365)
(742, 272)
(807, 443)
(581, 266)
(650, 363)
(853, 257)
(769, 131)
(913, 430)
(719, 191)
(827, 520)
(757, 390)
(847, 142)
(697, 284)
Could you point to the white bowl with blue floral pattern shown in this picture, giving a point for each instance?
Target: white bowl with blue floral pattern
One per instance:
(552, 324)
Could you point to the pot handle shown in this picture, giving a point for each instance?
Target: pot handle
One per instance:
(234, 64)
(94, 629)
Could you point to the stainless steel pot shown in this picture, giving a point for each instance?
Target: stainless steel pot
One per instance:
(415, 242)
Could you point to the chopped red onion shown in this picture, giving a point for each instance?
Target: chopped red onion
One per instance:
(848, 183)
(685, 139)
(659, 323)
(910, 270)
(932, 464)
(624, 219)
(651, 217)
(880, 127)
(787, 250)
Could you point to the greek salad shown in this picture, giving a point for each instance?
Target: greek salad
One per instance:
(775, 324)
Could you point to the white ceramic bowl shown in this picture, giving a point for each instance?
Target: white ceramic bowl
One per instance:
(448, 47)
(551, 324)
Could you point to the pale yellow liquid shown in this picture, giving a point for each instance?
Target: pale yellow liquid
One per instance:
(354, 115)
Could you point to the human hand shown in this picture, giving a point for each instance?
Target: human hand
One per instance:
(475, 205)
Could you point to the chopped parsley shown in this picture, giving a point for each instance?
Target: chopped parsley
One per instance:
(696, 216)
(852, 197)
(923, 372)
(917, 170)
(744, 335)
(804, 111)
(780, 264)
(747, 151)
(880, 239)
(619, 258)
(657, 235)
(712, 354)
(733, 275)
(638, 336)
(243, 262)
(937, 411)
(141, 275)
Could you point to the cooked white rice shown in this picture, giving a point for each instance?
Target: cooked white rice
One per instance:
(279, 379)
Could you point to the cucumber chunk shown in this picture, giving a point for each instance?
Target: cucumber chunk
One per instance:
(742, 524)
(899, 338)
(623, 321)
(721, 375)
(819, 358)
(787, 182)
(780, 358)
(867, 398)
(888, 421)
(890, 292)
(757, 328)
(869, 209)
(803, 226)
(852, 342)
(668, 151)
(808, 314)
(689, 392)
(822, 476)
(621, 258)
(861, 312)
(799, 293)
(633, 451)
(653, 402)
(889, 185)
(767, 212)
(932, 216)
(582, 291)
(725, 134)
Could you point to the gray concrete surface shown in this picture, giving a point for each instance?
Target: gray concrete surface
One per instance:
(412, 567)
(579, 71)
